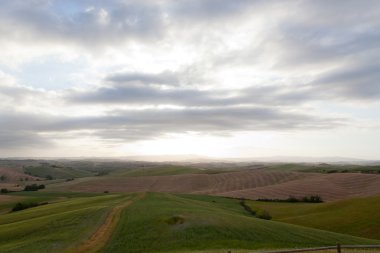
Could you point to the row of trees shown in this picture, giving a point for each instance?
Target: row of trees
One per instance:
(292, 199)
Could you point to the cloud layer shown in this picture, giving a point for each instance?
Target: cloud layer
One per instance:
(153, 68)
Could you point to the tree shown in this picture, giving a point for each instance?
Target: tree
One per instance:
(4, 190)
(3, 177)
(263, 214)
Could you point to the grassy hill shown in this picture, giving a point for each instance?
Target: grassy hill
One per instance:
(152, 222)
(167, 222)
(359, 216)
(55, 227)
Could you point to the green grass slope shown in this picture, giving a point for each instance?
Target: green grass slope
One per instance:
(175, 223)
(359, 216)
(55, 227)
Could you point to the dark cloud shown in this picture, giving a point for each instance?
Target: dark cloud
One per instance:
(152, 95)
(10, 139)
(207, 9)
(131, 125)
(356, 82)
(166, 77)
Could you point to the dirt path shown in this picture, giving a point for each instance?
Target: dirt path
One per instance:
(104, 232)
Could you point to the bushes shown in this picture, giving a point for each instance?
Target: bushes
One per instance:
(312, 199)
(34, 187)
(291, 199)
(246, 207)
(259, 213)
(22, 206)
(4, 190)
(175, 220)
(263, 214)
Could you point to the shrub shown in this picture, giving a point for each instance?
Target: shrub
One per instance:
(263, 214)
(247, 208)
(175, 220)
(291, 199)
(4, 190)
(312, 199)
(22, 206)
(34, 187)
(49, 177)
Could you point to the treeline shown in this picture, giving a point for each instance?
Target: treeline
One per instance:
(291, 199)
(34, 187)
(31, 187)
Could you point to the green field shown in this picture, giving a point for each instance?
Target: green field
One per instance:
(359, 216)
(167, 222)
(153, 222)
(56, 227)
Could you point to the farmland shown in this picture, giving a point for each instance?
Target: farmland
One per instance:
(69, 221)
(118, 206)
(357, 216)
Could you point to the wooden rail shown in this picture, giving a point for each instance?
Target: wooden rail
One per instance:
(338, 248)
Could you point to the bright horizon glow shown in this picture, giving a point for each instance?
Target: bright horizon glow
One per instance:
(223, 79)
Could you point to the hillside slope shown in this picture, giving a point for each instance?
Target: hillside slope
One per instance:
(166, 223)
(359, 216)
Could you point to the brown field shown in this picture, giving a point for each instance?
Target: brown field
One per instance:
(7, 198)
(329, 186)
(13, 175)
(251, 184)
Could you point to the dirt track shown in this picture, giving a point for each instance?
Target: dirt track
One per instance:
(104, 232)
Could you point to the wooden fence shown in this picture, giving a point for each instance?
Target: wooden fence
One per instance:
(338, 247)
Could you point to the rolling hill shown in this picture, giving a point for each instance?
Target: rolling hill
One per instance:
(357, 216)
(151, 222)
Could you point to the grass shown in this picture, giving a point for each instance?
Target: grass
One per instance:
(208, 223)
(55, 227)
(359, 216)
(158, 222)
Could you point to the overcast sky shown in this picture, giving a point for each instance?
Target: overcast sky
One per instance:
(223, 78)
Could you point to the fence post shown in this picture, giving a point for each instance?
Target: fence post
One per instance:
(338, 247)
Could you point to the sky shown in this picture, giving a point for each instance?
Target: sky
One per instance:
(218, 78)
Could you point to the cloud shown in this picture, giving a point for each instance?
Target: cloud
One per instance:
(153, 68)
(360, 81)
(10, 139)
(87, 23)
(166, 77)
(132, 125)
